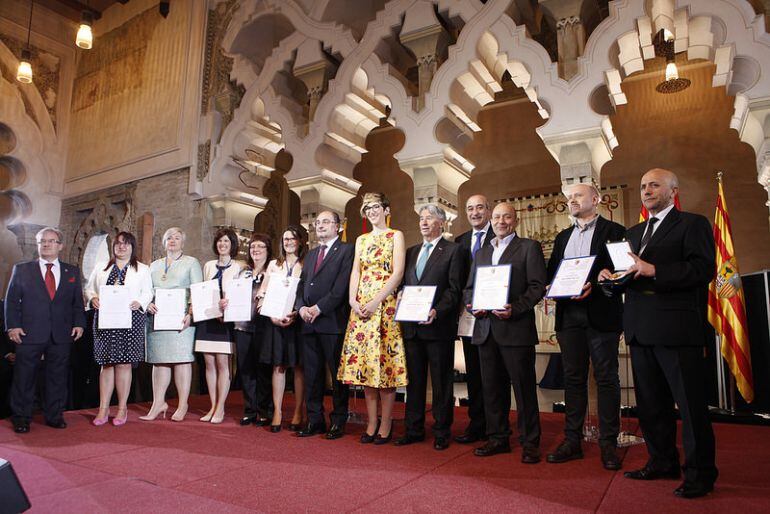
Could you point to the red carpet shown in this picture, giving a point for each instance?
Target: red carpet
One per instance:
(186, 467)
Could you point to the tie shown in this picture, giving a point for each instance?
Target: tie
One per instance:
(319, 259)
(477, 244)
(648, 233)
(423, 259)
(50, 281)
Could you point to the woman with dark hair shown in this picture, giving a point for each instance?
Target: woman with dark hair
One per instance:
(281, 345)
(116, 350)
(214, 337)
(255, 376)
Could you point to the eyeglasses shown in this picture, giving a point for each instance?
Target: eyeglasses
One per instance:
(49, 241)
(372, 207)
(259, 246)
(121, 243)
(318, 223)
(289, 239)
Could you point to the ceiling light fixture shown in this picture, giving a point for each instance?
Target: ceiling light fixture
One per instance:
(85, 37)
(664, 46)
(24, 72)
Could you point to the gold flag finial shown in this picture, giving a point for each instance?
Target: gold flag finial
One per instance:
(719, 176)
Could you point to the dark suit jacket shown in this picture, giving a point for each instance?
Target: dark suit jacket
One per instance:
(28, 306)
(445, 269)
(525, 289)
(465, 240)
(671, 309)
(328, 288)
(604, 313)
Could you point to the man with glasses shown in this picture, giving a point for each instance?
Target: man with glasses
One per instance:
(43, 315)
(322, 304)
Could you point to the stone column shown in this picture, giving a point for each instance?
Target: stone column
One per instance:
(570, 39)
(314, 69)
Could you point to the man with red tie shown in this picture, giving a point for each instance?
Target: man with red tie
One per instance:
(43, 315)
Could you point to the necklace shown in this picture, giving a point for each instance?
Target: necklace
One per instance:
(167, 265)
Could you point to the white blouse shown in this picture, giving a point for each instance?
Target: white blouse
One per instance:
(137, 280)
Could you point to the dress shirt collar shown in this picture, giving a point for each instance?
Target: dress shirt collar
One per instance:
(484, 230)
(43, 262)
(328, 244)
(505, 242)
(591, 224)
(433, 242)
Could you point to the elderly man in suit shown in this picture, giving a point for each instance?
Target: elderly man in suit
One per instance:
(664, 321)
(507, 337)
(588, 328)
(478, 213)
(430, 344)
(323, 307)
(43, 315)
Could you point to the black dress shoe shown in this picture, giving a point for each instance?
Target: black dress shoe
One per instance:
(441, 443)
(565, 452)
(379, 440)
(647, 473)
(21, 427)
(530, 455)
(60, 423)
(693, 489)
(610, 459)
(261, 422)
(311, 429)
(492, 448)
(295, 427)
(467, 438)
(335, 432)
(247, 420)
(409, 439)
(275, 428)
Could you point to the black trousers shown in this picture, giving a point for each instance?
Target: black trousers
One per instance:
(515, 365)
(664, 375)
(255, 376)
(321, 350)
(57, 359)
(478, 421)
(579, 342)
(423, 355)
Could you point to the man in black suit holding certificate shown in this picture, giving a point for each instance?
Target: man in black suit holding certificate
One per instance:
(507, 337)
(322, 304)
(430, 344)
(478, 212)
(44, 314)
(664, 321)
(588, 327)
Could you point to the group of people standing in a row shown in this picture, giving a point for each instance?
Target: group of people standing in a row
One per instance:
(344, 319)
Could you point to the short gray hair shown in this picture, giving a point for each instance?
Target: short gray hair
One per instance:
(59, 234)
(173, 230)
(435, 210)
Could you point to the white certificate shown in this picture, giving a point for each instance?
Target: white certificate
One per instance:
(114, 307)
(205, 300)
(619, 254)
(416, 303)
(238, 294)
(172, 307)
(465, 326)
(280, 296)
(571, 277)
(490, 288)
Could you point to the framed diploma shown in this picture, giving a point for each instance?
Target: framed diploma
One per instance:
(172, 306)
(416, 303)
(238, 294)
(570, 277)
(205, 300)
(619, 251)
(490, 287)
(280, 295)
(114, 307)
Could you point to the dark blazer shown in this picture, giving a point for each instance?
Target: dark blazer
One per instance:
(445, 269)
(28, 306)
(604, 313)
(525, 289)
(671, 308)
(465, 240)
(6, 345)
(328, 288)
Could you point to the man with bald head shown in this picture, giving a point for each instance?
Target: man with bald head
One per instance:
(664, 321)
(506, 338)
(478, 212)
(588, 328)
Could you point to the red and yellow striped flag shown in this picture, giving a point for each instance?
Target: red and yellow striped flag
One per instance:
(727, 306)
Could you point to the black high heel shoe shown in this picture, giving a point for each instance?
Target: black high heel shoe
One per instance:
(379, 440)
(275, 428)
(366, 438)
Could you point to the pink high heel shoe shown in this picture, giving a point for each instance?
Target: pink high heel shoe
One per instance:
(101, 420)
(120, 421)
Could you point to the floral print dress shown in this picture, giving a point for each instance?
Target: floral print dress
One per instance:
(373, 352)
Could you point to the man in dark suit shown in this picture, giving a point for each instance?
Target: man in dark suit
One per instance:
(43, 315)
(507, 337)
(664, 320)
(478, 212)
(588, 327)
(322, 303)
(430, 344)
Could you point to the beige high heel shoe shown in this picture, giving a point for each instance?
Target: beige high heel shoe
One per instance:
(151, 417)
(207, 417)
(179, 414)
(218, 417)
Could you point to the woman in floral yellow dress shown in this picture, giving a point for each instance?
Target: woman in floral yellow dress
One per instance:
(373, 352)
